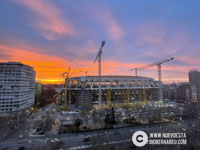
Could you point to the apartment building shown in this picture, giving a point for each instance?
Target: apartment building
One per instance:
(194, 80)
(17, 86)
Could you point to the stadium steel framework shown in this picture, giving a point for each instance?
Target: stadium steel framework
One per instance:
(83, 90)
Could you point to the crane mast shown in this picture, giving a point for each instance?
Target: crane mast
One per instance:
(100, 80)
(158, 64)
(86, 73)
(66, 75)
(160, 81)
(99, 73)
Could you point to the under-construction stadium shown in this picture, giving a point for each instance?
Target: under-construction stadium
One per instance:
(83, 91)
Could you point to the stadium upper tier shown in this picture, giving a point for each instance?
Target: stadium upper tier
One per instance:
(111, 82)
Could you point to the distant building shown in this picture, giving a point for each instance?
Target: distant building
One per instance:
(58, 88)
(17, 86)
(194, 80)
(183, 92)
(38, 90)
(170, 91)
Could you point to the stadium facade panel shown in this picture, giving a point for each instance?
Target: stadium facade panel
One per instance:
(83, 91)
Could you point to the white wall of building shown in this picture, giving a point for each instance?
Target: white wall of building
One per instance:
(17, 86)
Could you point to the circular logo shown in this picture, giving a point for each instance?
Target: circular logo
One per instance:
(140, 138)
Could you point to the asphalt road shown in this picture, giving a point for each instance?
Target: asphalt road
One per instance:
(76, 140)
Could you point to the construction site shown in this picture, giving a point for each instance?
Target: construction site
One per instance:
(83, 91)
(109, 91)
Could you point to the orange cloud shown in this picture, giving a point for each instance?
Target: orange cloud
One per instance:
(46, 66)
(50, 20)
(49, 68)
(174, 73)
(169, 73)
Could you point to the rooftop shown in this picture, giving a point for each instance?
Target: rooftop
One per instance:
(14, 63)
(108, 77)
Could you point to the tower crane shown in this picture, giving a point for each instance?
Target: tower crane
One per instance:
(66, 75)
(135, 71)
(86, 73)
(99, 72)
(158, 64)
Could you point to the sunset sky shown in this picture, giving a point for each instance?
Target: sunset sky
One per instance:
(53, 35)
